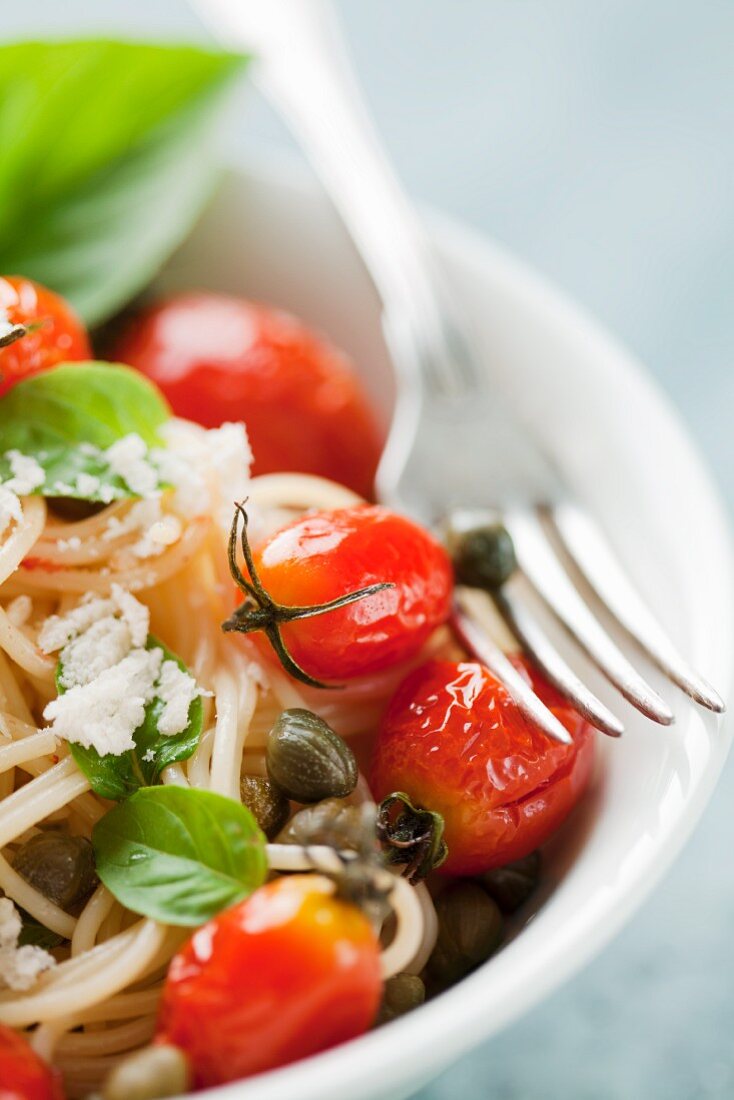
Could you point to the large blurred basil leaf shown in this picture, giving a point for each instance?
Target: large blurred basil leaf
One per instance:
(104, 161)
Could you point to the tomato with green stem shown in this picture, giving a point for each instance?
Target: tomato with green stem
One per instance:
(344, 593)
(288, 972)
(38, 329)
(456, 742)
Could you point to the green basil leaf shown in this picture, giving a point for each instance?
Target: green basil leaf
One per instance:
(116, 777)
(35, 934)
(179, 855)
(106, 161)
(66, 416)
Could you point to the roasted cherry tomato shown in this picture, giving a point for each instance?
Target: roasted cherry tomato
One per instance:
(288, 972)
(217, 357)
(54, 332)
(455, 741)
(327, 554)
(23, 1075)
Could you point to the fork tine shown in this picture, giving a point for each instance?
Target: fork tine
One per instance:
(525, 627)
(478, 642)
(541, 566)
(591, 552)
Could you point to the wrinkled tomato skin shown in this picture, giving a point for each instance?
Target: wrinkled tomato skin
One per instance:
(455, 741)
(60, 336)
(327, 554)
(288, 972)
(218, 357)
(23, 1075)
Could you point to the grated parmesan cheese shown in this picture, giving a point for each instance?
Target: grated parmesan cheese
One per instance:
(72, 543)
(19, 966)
(161, 534)
(177, 690)
(128, 458)
(27, 473)
(105, 712)
(109, 677)
(88, 485)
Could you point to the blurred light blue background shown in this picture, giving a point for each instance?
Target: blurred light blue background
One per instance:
(596, 138)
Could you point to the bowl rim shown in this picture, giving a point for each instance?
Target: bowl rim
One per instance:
(417, 1047)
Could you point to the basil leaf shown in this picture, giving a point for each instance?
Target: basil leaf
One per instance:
(179, 855)
(116, 777)
(65, 418)
(105, 162)
(35, 934)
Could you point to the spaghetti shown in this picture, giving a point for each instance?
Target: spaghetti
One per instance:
(99, 1001)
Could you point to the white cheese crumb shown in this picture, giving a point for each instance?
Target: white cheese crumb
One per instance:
(128, 458)
(104, 713)
(19, 966)
(109, 677)
(72, 543)
(201, 464)
(87, 484)
(177, 690)
(163, 533)
(149, 756)
(59, 630)
(27, 473)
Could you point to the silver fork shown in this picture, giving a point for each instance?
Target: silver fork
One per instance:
(455, 444)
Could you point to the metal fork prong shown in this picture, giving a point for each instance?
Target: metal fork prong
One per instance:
(526, 629)
(479, 644)
(591, 552)
(541, 566)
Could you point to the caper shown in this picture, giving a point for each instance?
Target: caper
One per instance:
(149, 1074)
(268, 804)
(402, 993)
(307, 759)
(469, 930)
(72, 509)
(331, 822)
(59, 866)
(513, 884)
(484, 557)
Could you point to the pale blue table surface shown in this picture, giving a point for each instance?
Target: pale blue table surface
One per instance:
(596, 138)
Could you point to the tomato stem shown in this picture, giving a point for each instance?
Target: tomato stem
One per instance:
(259, 611)
(16, 332)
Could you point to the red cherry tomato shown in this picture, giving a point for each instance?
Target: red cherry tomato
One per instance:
(454, 740)
(56, 335)
(217, 357)
(288, 972)
(23, 1076)
(327, 554)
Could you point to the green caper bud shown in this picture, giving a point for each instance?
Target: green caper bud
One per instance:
(513, 884)
(402, 993)
(330, 822)
(60, 866)
(149, 1074)
(267, 803)
(469, 930)
(307, 759)
(73, 509)
(484, 557)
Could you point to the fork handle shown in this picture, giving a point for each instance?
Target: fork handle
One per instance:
(302, 67)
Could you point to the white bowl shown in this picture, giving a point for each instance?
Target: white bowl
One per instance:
(272, 235)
